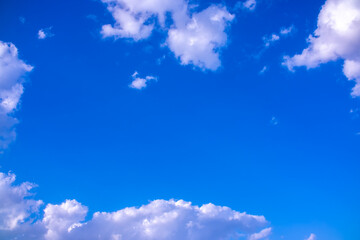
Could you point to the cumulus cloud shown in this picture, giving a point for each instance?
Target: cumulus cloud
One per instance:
(140, 83)
(45, 33)
(194, 37)
(12, 73)
(157, 220)
(337, 37)
(199, 41)
(15, 208)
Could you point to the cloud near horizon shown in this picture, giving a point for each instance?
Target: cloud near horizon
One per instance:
(158, 220)
(195, 37)
(337, 37)
(12, 76)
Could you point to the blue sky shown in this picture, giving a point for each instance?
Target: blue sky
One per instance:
(256, 133)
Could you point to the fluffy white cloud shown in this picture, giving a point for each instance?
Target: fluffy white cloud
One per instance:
(194, 37)
(45, 33)
(157, 220)
(140, 83)
(337, 37)
(12, 73)
(312, 237)
(15, 208)
(199, 41)
(261, 235)
(59, 220)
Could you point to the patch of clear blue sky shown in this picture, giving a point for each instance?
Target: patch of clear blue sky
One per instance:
(199, 136)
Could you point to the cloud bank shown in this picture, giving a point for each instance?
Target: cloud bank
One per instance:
(157, 220)
(337, 37)
(12, 73)
(195, 37)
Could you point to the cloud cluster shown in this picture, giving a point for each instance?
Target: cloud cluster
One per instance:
(337, 37)
(140, 83)
(268, 40)
(12, 73)
(194, 37)
(158, 220)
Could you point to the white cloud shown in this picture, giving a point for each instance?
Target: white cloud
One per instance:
(312, 237)
(157, 220)
(15, 208)
(286, 30)
(261, 235)
(12, 73)
(268, 40)
(140, 83)
(194, 37)
(198, 42)
(337, 37)
(249, 4)
(59, 220)
(45, 33)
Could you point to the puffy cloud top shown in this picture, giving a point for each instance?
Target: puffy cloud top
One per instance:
(337, 37)
(194, 37)
(14, 207)
(12, 72)
(157, 220)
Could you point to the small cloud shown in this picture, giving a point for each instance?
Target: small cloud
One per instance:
(274, 121)
(45, 33)
(22, 20)
(263, 70)
(286, 31)
(140, 83)
(270, 39)
(248, 5)
(312, 237)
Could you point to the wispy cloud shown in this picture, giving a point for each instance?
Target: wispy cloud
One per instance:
(140, 83)
(268, 40)
(311, 237)
(45, 33)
